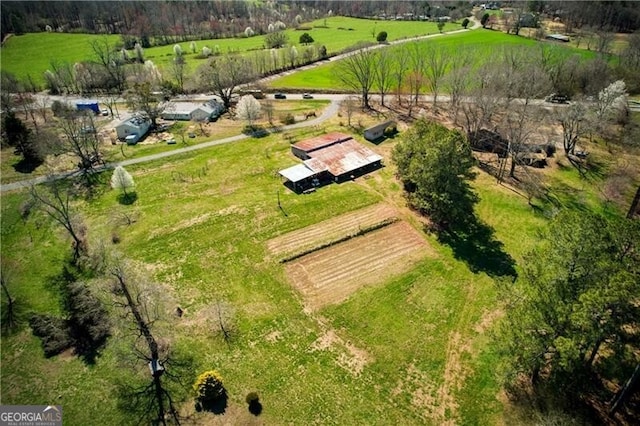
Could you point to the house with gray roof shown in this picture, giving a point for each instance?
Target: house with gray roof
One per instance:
(205, 111)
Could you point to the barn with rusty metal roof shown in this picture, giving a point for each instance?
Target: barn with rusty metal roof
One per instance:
(329, 158)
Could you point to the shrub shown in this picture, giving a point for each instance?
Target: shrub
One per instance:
(53, 333)
(252, 397)
(208, 386)
(306, 39)
(287, 119)
(465, 22)
(485, 19)
(382, 37)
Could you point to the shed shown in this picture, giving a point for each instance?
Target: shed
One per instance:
(558, 37)
(89, 105)
(137, 126)
(377, 132)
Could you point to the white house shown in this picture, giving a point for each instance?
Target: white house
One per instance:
(136, 126)
(192, 111)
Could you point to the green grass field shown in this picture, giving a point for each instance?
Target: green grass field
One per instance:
(483, 43)
(31, 54)
(203, 220)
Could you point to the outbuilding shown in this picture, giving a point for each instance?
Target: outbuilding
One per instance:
(376, 132)
(333, 157)
(136, 126)
(558, 37)
(88, 105)
(209, 110)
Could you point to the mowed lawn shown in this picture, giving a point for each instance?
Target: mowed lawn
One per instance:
(31, 54)
(412, 350)
(482, 44)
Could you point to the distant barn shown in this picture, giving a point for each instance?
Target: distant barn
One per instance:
(558, 37)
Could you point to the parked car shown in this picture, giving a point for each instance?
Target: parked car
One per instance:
(555, 98)
(280, 96)
(307, 96)
(104, 112)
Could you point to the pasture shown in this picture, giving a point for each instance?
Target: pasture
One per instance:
(411, 347)
(31, 54)
(481, 43)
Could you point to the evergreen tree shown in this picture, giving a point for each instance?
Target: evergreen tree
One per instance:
(435, 165)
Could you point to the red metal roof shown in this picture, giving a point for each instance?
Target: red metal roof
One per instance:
(345, 157)
(322, 141)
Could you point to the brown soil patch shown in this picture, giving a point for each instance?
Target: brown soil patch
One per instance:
(419, 386)
(330, 230)
(349, 357)
(331, 275)
(487, 320)
(234, 414)
(454, 376)
(437, 404)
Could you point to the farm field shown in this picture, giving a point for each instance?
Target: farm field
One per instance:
(23, 55)
(312, 237)
(483, 44)
(332, 274)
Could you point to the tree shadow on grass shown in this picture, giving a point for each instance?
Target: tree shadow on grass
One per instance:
(253, 400)
(215, 406)
(27, 166)
(475, 244)
(128, 198)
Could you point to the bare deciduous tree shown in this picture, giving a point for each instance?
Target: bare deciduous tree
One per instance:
(56, 203)
(8, 311)
(401, 59)
(383, 73)
(155, 396)
(224, 74)
(457, 80)
(357, 71)
(178, 71)
(573, 120)
(107, 56)
(437, 61)
(79, 138)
